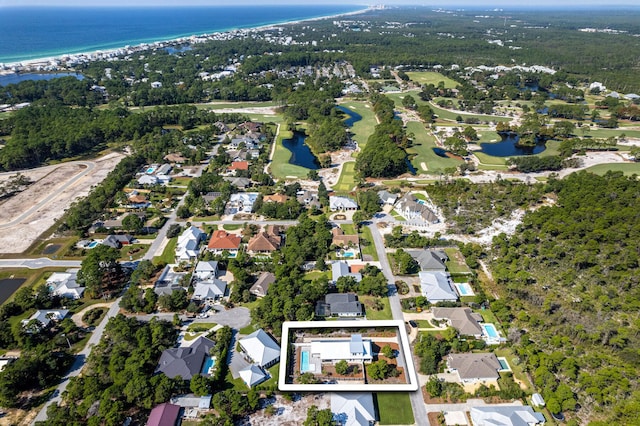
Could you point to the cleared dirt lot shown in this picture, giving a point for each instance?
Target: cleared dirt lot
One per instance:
(24, 217)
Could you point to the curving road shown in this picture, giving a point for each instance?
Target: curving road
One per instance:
(90, 165)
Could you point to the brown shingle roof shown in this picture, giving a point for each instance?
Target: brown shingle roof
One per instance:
(275, 198)
(339, 239)
(264, 242)
(239, 165)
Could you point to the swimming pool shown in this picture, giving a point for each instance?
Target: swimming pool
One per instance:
(92, 244)
(209, 363)
(504, 365)
(304, 363)
(423, 202)
(151, 170)
(490, 330)
(348, 254)
(464, 289)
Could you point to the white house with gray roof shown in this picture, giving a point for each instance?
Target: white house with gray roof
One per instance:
(261, 348)
(506, 415)
(339, 203)
(474, 367)
(436, 287)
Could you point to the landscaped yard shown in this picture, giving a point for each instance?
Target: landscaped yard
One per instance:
(456, 263)
(366, 243)
(314, 275)
(394, 408)
(169, 253)
(348, 228)
(517, 369)
(372, 314)
(133, 251)
(347, 180)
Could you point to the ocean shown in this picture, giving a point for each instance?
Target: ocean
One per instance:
(42, 32)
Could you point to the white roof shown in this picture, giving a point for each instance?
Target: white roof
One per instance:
(147, 180)
(188, 242)
(505, 415)
(337, 202)
(260, 347)
(46, 316)
(252, 375)
(353, 409)
(341, 349)
(209, 289)
(436, 286)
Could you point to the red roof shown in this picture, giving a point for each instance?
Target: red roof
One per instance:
(164, 415)
(239, 165)
(222, 240)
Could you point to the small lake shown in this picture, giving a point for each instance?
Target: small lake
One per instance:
(301, 155)
(8, 286)
(17, 78)
(353, 117)
(507, 148)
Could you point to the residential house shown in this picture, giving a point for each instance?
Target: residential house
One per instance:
(261, 348)
(238, 166)
(436, 287)
(168, 281)
(339, 305)
(505, 415)
(387, 198)
(339, 203)
(148, 180)
(43, 319)
(341, 240)
(474, 367)
(205, 270)
(411, 208)
(253, 375)
(266, 241)
(538, 400)
(188, 246)
(341, 269)
(175, 157)
(209, 290)
(156, 84)
(354, 349)
(165, 169)
(430, 260)
(164, 415)
(185, 361)
(275, 198)
(135, 200)
(238, 182)
(353, 408)
(261, 287)
(308, 198)
(117, 241)
(241, 202)
(223, 241)
(462, 319)
(250, 126)
(210, 197)
(63, 284)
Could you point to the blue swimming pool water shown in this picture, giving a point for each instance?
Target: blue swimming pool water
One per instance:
(463, 290)
(92, 244)
(305, 362)
(421, 202)
(503, 364)
(209, 362)
(491, 331)
(150, 170)
(348, 254)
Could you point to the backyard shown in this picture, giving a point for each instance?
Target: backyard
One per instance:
(394, 408)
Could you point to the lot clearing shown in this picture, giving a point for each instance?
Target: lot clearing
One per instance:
(27, 215)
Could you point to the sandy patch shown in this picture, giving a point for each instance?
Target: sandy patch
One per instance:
(26, 216)
(291, 413)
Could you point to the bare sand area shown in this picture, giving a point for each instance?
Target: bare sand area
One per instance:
(24, 217)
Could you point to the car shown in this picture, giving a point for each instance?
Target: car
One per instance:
(413, 324)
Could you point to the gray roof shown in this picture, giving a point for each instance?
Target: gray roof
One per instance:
(261, 286)
(356, 408)
(430, 260)
(387, 197)
(355, 344)
(252, 375)
(185, 361)
(341, 269)
(239, 182)
(475, 365)
(339, 304)
(505, 415)
(462, 319)
(436, 287)
(209, 289)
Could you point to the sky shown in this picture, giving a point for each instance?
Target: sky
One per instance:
(442, 3)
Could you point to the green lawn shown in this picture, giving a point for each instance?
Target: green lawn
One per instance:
(489, 162)
(431, 77)
(627, 168)
(347, 180)
(314, 275)
(140, 250)
(368, 248)
(424, 324)
(397, 216)
(362, 129)
(456, 263)
(348, 228)
(169, 253)
(394, 408)
(422, 151)
(372, 314)
(518, 371)
(280, 167)
(232, 227)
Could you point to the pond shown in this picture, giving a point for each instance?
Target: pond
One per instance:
(8, 286)
(440, 152)
(17, 78)
(354, 117)
(51, 248)
(508, 148)
(301, 155)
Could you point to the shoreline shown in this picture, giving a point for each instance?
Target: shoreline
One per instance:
(27, 64)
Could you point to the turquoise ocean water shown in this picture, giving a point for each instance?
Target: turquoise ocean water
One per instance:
(40, 32)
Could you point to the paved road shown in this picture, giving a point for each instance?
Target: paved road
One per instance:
(53, 194)
(235, 318)
(417, 403)
(43, 262)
